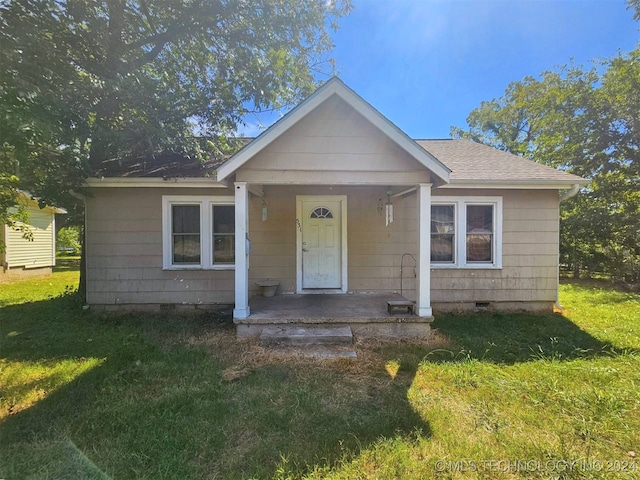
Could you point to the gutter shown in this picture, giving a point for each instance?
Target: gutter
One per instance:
(570, 193)
(77, 195)
(113, 182)
(565, 196)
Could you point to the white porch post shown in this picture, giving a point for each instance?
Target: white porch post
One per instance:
(241, 309)
(423, 294)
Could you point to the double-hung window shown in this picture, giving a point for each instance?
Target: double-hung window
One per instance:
(198, 232)
(466, 232)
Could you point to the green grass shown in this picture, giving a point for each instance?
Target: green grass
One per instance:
(149, 396)
(26, 291)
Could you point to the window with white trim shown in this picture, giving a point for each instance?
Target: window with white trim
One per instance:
(466, 232)
(198, 232)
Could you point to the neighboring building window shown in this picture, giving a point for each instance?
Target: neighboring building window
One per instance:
(466, 232)
(198, 232)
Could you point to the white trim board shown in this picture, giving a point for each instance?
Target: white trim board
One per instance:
(153, 182)
(511, 184)
(205, 203)
(460, 231)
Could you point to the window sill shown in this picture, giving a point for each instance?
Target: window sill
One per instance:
(435, 266)
(199, 267)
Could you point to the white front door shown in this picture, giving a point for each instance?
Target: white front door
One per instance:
(320, 243)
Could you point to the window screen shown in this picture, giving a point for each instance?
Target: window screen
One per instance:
(224, 240)
(185, 232)
(480, 233)
(443, 233)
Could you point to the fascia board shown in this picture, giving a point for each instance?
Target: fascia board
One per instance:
(115, 182)
(394, 133)
(515, 184)
(33, 203)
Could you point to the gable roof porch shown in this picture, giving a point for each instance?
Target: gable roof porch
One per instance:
(333, 138)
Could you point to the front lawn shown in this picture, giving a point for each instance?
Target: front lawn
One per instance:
(149, 396)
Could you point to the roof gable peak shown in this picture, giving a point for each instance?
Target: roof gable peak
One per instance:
(335, 86)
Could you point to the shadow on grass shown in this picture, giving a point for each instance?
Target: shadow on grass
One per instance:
(67, 264)
(510, 338)
(157, 406)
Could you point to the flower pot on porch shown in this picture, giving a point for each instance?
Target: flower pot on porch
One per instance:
(268, 287)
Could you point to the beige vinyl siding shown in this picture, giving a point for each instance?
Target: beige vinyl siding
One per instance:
(529, 275)
(124, 252)
(124, 246)
(373, 250)
(334, 144)
(527, 279)
(37, 253)
(273, 243)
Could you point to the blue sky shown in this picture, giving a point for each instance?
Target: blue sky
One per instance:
(425, 64)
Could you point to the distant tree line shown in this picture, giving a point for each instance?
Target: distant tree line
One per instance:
(587, 122)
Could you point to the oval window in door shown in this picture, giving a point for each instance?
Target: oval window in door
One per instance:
(321, 212)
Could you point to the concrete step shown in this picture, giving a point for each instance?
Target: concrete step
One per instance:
(318, 352)
(307, 335)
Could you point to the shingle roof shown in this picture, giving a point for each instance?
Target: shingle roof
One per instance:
(474, 162)
(164, 165)
(469, 162)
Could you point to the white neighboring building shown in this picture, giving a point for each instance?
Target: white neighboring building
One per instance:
(29, 258)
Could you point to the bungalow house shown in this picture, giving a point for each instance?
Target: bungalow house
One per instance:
(33, 256)
(332, 199)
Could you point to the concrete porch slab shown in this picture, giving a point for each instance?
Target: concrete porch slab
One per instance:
(365, 314)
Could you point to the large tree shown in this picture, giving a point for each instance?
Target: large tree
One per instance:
(83, 81)
(586, 122)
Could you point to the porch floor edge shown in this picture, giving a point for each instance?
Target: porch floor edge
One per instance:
(389, 330)
(256, 319)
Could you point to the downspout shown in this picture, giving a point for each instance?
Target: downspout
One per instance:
(565, 196)
(570, 193)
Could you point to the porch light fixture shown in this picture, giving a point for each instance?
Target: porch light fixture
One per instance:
(389, 208)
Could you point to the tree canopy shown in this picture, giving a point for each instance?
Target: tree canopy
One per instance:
(588, 123)
(87, 80)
